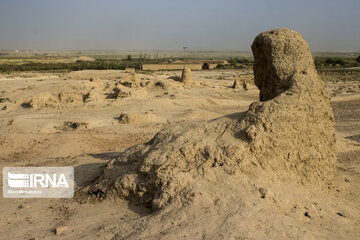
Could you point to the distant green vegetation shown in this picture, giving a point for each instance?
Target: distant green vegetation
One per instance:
(83, 65)
(98, 64)
(344, 62)
(237, 63)
(320, 62)
(78, 65)
(108, 62)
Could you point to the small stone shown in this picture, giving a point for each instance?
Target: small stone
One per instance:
(23, 206)
(61, 229)
(262, 192)
(29, 219)
(340, 214)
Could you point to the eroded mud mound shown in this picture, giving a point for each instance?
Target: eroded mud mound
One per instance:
(92, 93)
(57, 100)
(134, 118)
(241, 84)
(186, 78)
(95, 83)
(121, 91)
(131, 80)
(287, 136)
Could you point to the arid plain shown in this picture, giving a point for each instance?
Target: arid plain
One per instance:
(85, 118)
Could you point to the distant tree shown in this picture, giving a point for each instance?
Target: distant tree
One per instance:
(220, 66)
(335, 61)
(358, 59)
(129, 57)
(232, 61)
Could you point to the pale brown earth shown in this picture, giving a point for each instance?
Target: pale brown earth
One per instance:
(288, 136)
(87, 133)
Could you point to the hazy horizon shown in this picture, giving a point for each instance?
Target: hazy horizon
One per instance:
(159, 25)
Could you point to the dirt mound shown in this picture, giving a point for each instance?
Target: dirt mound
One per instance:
(71, 126)
(63, 100)
(93, 96)
(240, 84)
(85, 58)
(186, 78)
(133, 118)
(121, 91)
(56, 100)
(165, 84)
(95, 83)
(131, 80)
(287, 137)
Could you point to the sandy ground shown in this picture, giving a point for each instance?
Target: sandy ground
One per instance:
(86, 134)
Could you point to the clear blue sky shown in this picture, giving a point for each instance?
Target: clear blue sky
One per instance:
(328, 25)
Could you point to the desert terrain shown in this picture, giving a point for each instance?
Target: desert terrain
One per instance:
(86, 118)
